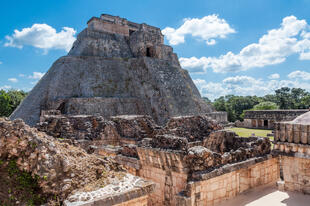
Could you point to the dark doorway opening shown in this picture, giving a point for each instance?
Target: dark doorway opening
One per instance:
(148, 52)
(62, 107)
(131, 31)
(265, 123)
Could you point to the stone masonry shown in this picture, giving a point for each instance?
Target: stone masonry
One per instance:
(292, 144)
(115, 67)
(172, 156)
(266, 119)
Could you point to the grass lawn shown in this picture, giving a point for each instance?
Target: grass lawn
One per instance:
(244, 132)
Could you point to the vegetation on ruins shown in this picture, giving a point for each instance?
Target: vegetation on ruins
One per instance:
(283, 98)
(9, 100)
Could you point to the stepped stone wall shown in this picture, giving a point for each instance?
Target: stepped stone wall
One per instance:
(115, 67)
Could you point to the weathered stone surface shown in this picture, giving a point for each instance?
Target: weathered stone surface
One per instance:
(134, 126)
(61, 168)
(77, 127)
(220, 141)
(114, 71)
(200, 158)
(167, 141)
(193, 128)
(129, 150)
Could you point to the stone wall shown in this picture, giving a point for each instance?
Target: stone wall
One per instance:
(296, 174)
(266, 119)
(292, 144)
(221, 117)
(211, 190)
(292, 133)
(167, 170)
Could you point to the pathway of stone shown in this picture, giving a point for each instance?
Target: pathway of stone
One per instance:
(268, 195)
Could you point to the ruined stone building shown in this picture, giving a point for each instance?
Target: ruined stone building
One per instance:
(292, 144)
(266, 119)
(119, 122)
(116, 67)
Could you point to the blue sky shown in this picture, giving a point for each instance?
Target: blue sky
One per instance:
(239, 47)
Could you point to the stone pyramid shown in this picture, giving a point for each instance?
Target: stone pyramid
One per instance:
(115, 67)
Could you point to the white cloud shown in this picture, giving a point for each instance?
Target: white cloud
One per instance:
(5, 87)
(1, 62)
(207, 28)
(272, 48)
(14, 80)
(299, 75)
(21, 75)
(246, 85)
(42, 36)
(36, 75)
(274, 76)
(239, 80)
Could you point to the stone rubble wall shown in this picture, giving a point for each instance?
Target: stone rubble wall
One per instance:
(217, 189)
(61, 167)
(220, 117)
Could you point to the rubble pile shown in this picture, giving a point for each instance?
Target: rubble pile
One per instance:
(61, 168)
(134, 126)
(202, 139)
(193, 128)
(77, 127)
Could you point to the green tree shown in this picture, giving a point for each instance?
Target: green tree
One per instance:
(283, 98)
(9, 101)
(5, 107)
(266, 106)
(16, 97)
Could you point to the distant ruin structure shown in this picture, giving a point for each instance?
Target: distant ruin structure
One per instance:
(115, 67)
(266, 119)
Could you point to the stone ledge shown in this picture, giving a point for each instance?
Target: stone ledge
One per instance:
(128, 161)
(292, 150)
(205, 175)
(137, 191)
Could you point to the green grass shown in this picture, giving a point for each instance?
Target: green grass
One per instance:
(244, 132)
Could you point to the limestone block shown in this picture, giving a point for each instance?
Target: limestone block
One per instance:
(304, 138)
(289, 132)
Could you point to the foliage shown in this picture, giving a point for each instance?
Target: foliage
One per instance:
(9, 101)
(235, 105)
(284, 98)
(21, 186)
(266, 106)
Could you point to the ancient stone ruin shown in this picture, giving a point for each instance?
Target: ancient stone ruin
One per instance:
(266, 119)
(292, 144)
(115, 67)
(118, 122)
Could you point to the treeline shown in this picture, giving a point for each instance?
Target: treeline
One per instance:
(284, 98)
(9, 101)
